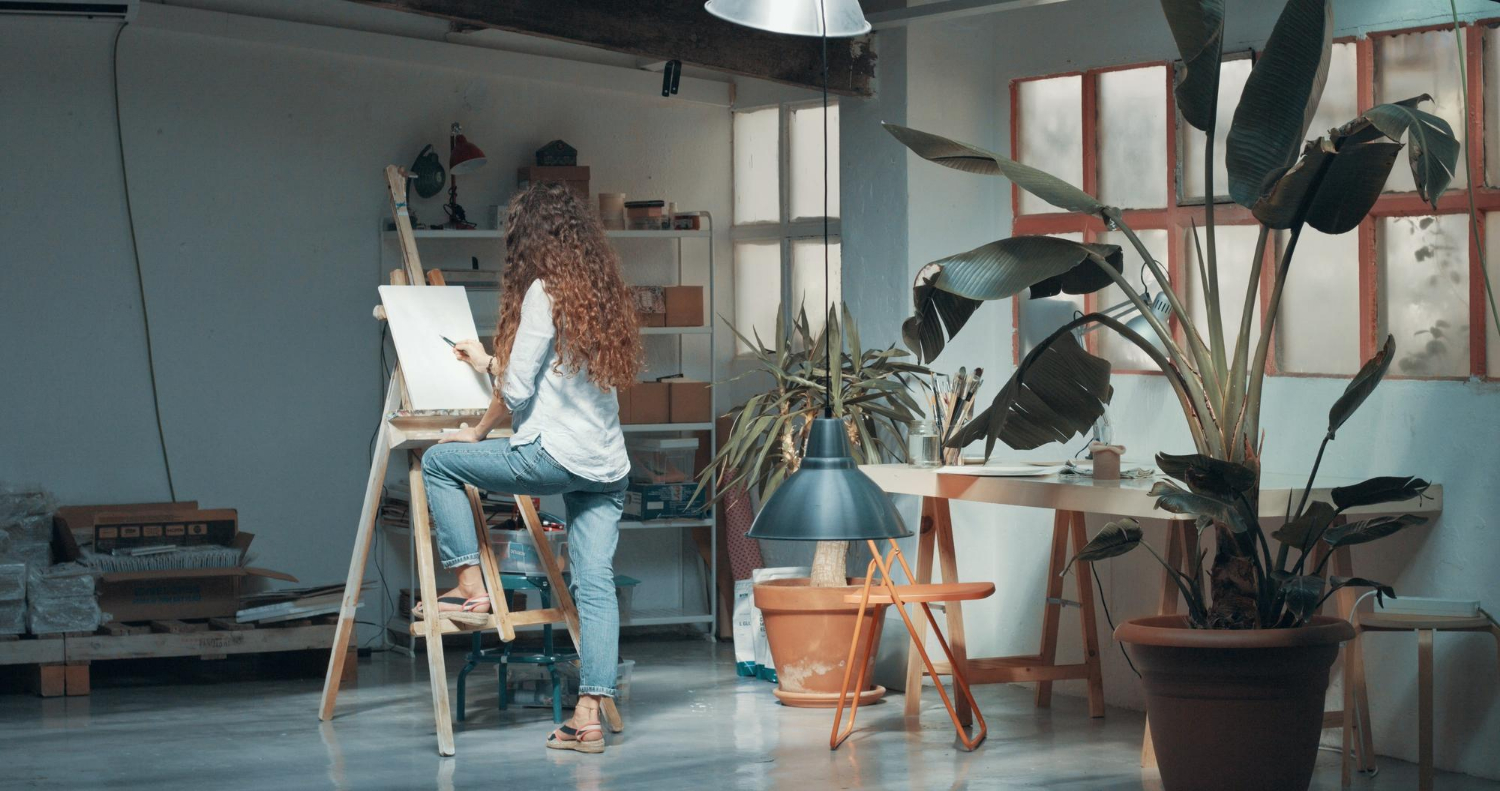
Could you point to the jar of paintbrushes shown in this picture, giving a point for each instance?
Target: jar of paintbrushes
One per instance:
(950, 401)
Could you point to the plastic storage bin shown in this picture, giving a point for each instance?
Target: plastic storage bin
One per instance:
(517, 554)
(662, 460)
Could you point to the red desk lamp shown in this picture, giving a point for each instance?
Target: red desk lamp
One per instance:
(463, 158)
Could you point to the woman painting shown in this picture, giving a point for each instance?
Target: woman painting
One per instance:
(566, 339)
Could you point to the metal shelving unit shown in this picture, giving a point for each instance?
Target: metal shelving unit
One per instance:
(640, 617)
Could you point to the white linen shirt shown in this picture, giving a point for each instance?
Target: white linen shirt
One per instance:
(577, 423)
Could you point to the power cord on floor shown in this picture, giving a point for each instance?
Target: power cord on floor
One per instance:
(1104, 604)
(135, 249)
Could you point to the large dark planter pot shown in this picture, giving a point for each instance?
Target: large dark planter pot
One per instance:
(809, 631)
(1234, 710)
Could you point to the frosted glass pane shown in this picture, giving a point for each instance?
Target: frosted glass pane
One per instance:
(757, 175)
(805, 138)
(1039, 318)
(1317, 331)
(1236, 246)
(1412, 64)
(1492, 266)
(1133, 138)
(1050, 136)
(1492, 107)
(1232, 76)
(1340, 102)
(1123, 354)
(1424, 293)
(757, 292)
(807, 278)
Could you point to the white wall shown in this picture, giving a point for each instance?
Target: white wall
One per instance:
(255, 153)
(958, 75)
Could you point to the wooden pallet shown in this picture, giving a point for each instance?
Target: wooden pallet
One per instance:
(61, 661)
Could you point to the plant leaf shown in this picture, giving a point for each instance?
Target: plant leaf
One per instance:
(1302, 595)
(1349, 181)
(972, 159)
(1059, 390)
(937, 312)
(1280, 98)
(1198, 28)
(1432, 148)
(1004, 268)
(1207, 474)
(1112, 540)
(1385, 489)
(1087, 277)
(1370, 529)
(1174, 499)
(1303, 530)
(1382, 591)
(1360, 387)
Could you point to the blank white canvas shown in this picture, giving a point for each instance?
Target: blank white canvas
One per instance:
(420, 316)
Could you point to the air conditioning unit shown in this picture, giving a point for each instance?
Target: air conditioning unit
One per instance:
(117, 11)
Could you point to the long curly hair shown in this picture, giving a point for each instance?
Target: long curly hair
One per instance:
(551, 235)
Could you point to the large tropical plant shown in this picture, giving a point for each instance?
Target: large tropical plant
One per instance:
(870, 392)
(1222, 492)
(1216, 372)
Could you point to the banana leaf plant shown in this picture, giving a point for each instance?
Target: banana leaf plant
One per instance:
(1216, 372)
(870, 393)
(1220, 492)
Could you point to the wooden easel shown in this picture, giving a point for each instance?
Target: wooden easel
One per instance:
(412, 434)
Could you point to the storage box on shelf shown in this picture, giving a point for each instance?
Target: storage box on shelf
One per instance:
(576, 177)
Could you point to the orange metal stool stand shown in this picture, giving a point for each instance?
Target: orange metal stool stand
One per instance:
(887, 593)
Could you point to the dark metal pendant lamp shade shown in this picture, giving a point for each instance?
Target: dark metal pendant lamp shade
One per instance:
(828, 498)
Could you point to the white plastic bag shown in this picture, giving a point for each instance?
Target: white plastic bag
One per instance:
(744, 627)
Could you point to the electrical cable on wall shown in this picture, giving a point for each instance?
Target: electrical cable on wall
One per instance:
(135, 250)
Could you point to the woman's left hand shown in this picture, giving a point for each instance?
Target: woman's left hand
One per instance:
(465, 434)
(472, 352)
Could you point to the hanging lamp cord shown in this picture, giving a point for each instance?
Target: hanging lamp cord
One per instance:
(827, 298)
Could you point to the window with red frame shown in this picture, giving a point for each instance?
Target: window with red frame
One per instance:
(1408, 270)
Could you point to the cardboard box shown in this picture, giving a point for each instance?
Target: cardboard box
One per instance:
(648, 403)
(684, 305)
(689, 401)
(79, 519)
(646, 502)
(650, 305)
(170, 593)
(575, 176)
(184, 528)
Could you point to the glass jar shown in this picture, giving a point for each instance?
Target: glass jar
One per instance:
(923, 445)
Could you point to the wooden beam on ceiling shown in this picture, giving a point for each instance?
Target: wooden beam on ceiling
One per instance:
(665, 30)
(888, 15)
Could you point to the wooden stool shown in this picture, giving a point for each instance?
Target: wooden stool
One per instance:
(1425, 626)
(900, 595)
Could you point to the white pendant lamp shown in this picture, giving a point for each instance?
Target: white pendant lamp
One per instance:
(794, 17)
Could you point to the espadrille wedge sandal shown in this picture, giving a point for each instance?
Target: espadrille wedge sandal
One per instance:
(577, 743)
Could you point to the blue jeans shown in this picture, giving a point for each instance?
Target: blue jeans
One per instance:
(593, 517)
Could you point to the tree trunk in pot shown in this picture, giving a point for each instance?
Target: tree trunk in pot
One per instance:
(828, 566)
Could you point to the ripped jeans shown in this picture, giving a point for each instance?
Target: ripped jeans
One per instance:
(593, 519)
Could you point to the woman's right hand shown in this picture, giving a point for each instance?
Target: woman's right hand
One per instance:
(472, 352)
(465, 434)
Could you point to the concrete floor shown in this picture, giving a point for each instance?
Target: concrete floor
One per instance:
(691, 724)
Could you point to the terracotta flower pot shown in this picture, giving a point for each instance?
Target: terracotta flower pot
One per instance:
(809, 630)
(1234, 710)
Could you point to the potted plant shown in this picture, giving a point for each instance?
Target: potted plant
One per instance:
(808, 624)
(1217, 374)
